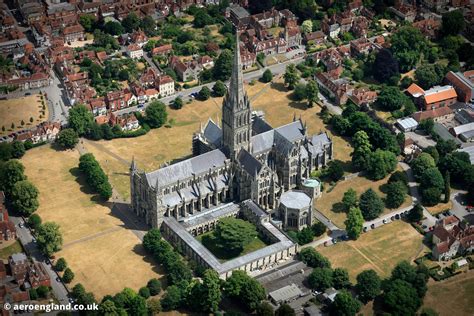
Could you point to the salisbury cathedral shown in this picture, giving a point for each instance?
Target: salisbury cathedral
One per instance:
(243, 159)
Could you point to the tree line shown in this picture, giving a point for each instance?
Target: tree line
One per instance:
(95, 176)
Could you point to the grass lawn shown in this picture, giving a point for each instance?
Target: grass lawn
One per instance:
(460, 291)
(168, 144)
(210, 243)
(16, 110)
(7, 248)
(360, 184)
(380, 249)
(104, 254)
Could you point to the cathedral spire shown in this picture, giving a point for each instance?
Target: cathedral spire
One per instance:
(236, 86)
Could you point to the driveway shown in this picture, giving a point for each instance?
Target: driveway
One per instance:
(26, 239)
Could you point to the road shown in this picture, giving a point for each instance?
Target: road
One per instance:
(26, 239)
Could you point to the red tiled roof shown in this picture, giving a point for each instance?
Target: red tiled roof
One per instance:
(415, 89)
(440, 96)
(438, 112)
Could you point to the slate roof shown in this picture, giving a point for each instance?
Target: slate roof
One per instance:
(292, 131)
(262, 142)
(213, 133)
(260, 126)
(186, 168)
(318, 142)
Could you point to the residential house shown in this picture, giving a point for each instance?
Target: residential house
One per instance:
(438, 96)
(429, 27)
(248, 59)
(116, 100)
(360, 26)
(127, 122)
(139, 37)
(360, 46)
(452, 237)
(437, 114)
(18, 266)
(330, 27)
(151, 94)
(134, 51)
(73, 33)
(165, 86)
(206, 62)
(186, 71)
(98, 106)
(45, 132)
(345, 19)
(317, 37)
(139, 92)
(363, 96)
(336, 88)
(404, 11)
(163, 50)
(37, 275)
(463, 83)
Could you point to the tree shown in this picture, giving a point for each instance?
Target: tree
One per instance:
(396, 193)
(408, 43)
(335, 170)
(150, 240)
(95, 176)
(34, 221)
(210, 293)
(113, 28)
(18, 149)
(312, 91)
(87, 21)
(219, 89)
(80, 119)
(172, 298)
(350, 199)
(400, 298)
(137, 306)
(260, 5)
(380, 164)
(245, 289)
(305, 236)
(264, 309)
(131, 22)
(313, 258)
(354, 223)
(144, 292)
(33, 294)
(156, 114)
(320, 279)
(344, 304)
(107, 307)
(49, 238)
(318, 228)
(385, 66)
(60, 265)
(267, 76)
(223, 66)
(68, 276)
(421, 163)
(429, 75)
(67, 138)
(368, 285)
(307, 26)
(428, 312)
(178, 103)
(107, 132)
(431, 196)
(299, 93)
(234, 234)
(205, 93)
(371, 205)
(285, 310)
(11, 172)
(24, 197)
(391, 99)
(154, 285)
(148, 25)
(42, 291)
(291, 76)
(416, 213)
(362, 149)
(432, 178)
(5, 151)
(453, 22)
(447, 187)
(398, 176)
(154, 306)
(340, 278)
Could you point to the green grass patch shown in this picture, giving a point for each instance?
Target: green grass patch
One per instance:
(209, 241)
(9, 250)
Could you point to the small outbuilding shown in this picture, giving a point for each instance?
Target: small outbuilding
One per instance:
(407, 124)
(285, 294)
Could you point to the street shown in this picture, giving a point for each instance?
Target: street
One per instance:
(31, 249)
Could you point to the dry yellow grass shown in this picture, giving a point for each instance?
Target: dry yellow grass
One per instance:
(16, 110)
(360, 184)
(102, 252)
(380, 249)
(460, 291)
(441, 207)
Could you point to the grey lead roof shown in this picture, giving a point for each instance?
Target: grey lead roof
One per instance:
(248, 162)
(292, 131)
(260, 126)
(213, 133)
(262, 142)
(186, 168)
(295, 199)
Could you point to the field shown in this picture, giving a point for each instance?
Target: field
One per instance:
(209, 242)
(168, 144)
(380, 249)
(99, 246)
(460, 291)
(16, 110)
(360, 184)
(7, 248)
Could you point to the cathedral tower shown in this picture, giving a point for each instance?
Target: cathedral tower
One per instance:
(236, 111)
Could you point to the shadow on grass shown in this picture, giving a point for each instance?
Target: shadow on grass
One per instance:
(279, 86)
(210, 242)
(338, 207)
(86, 188)
(156, 267)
